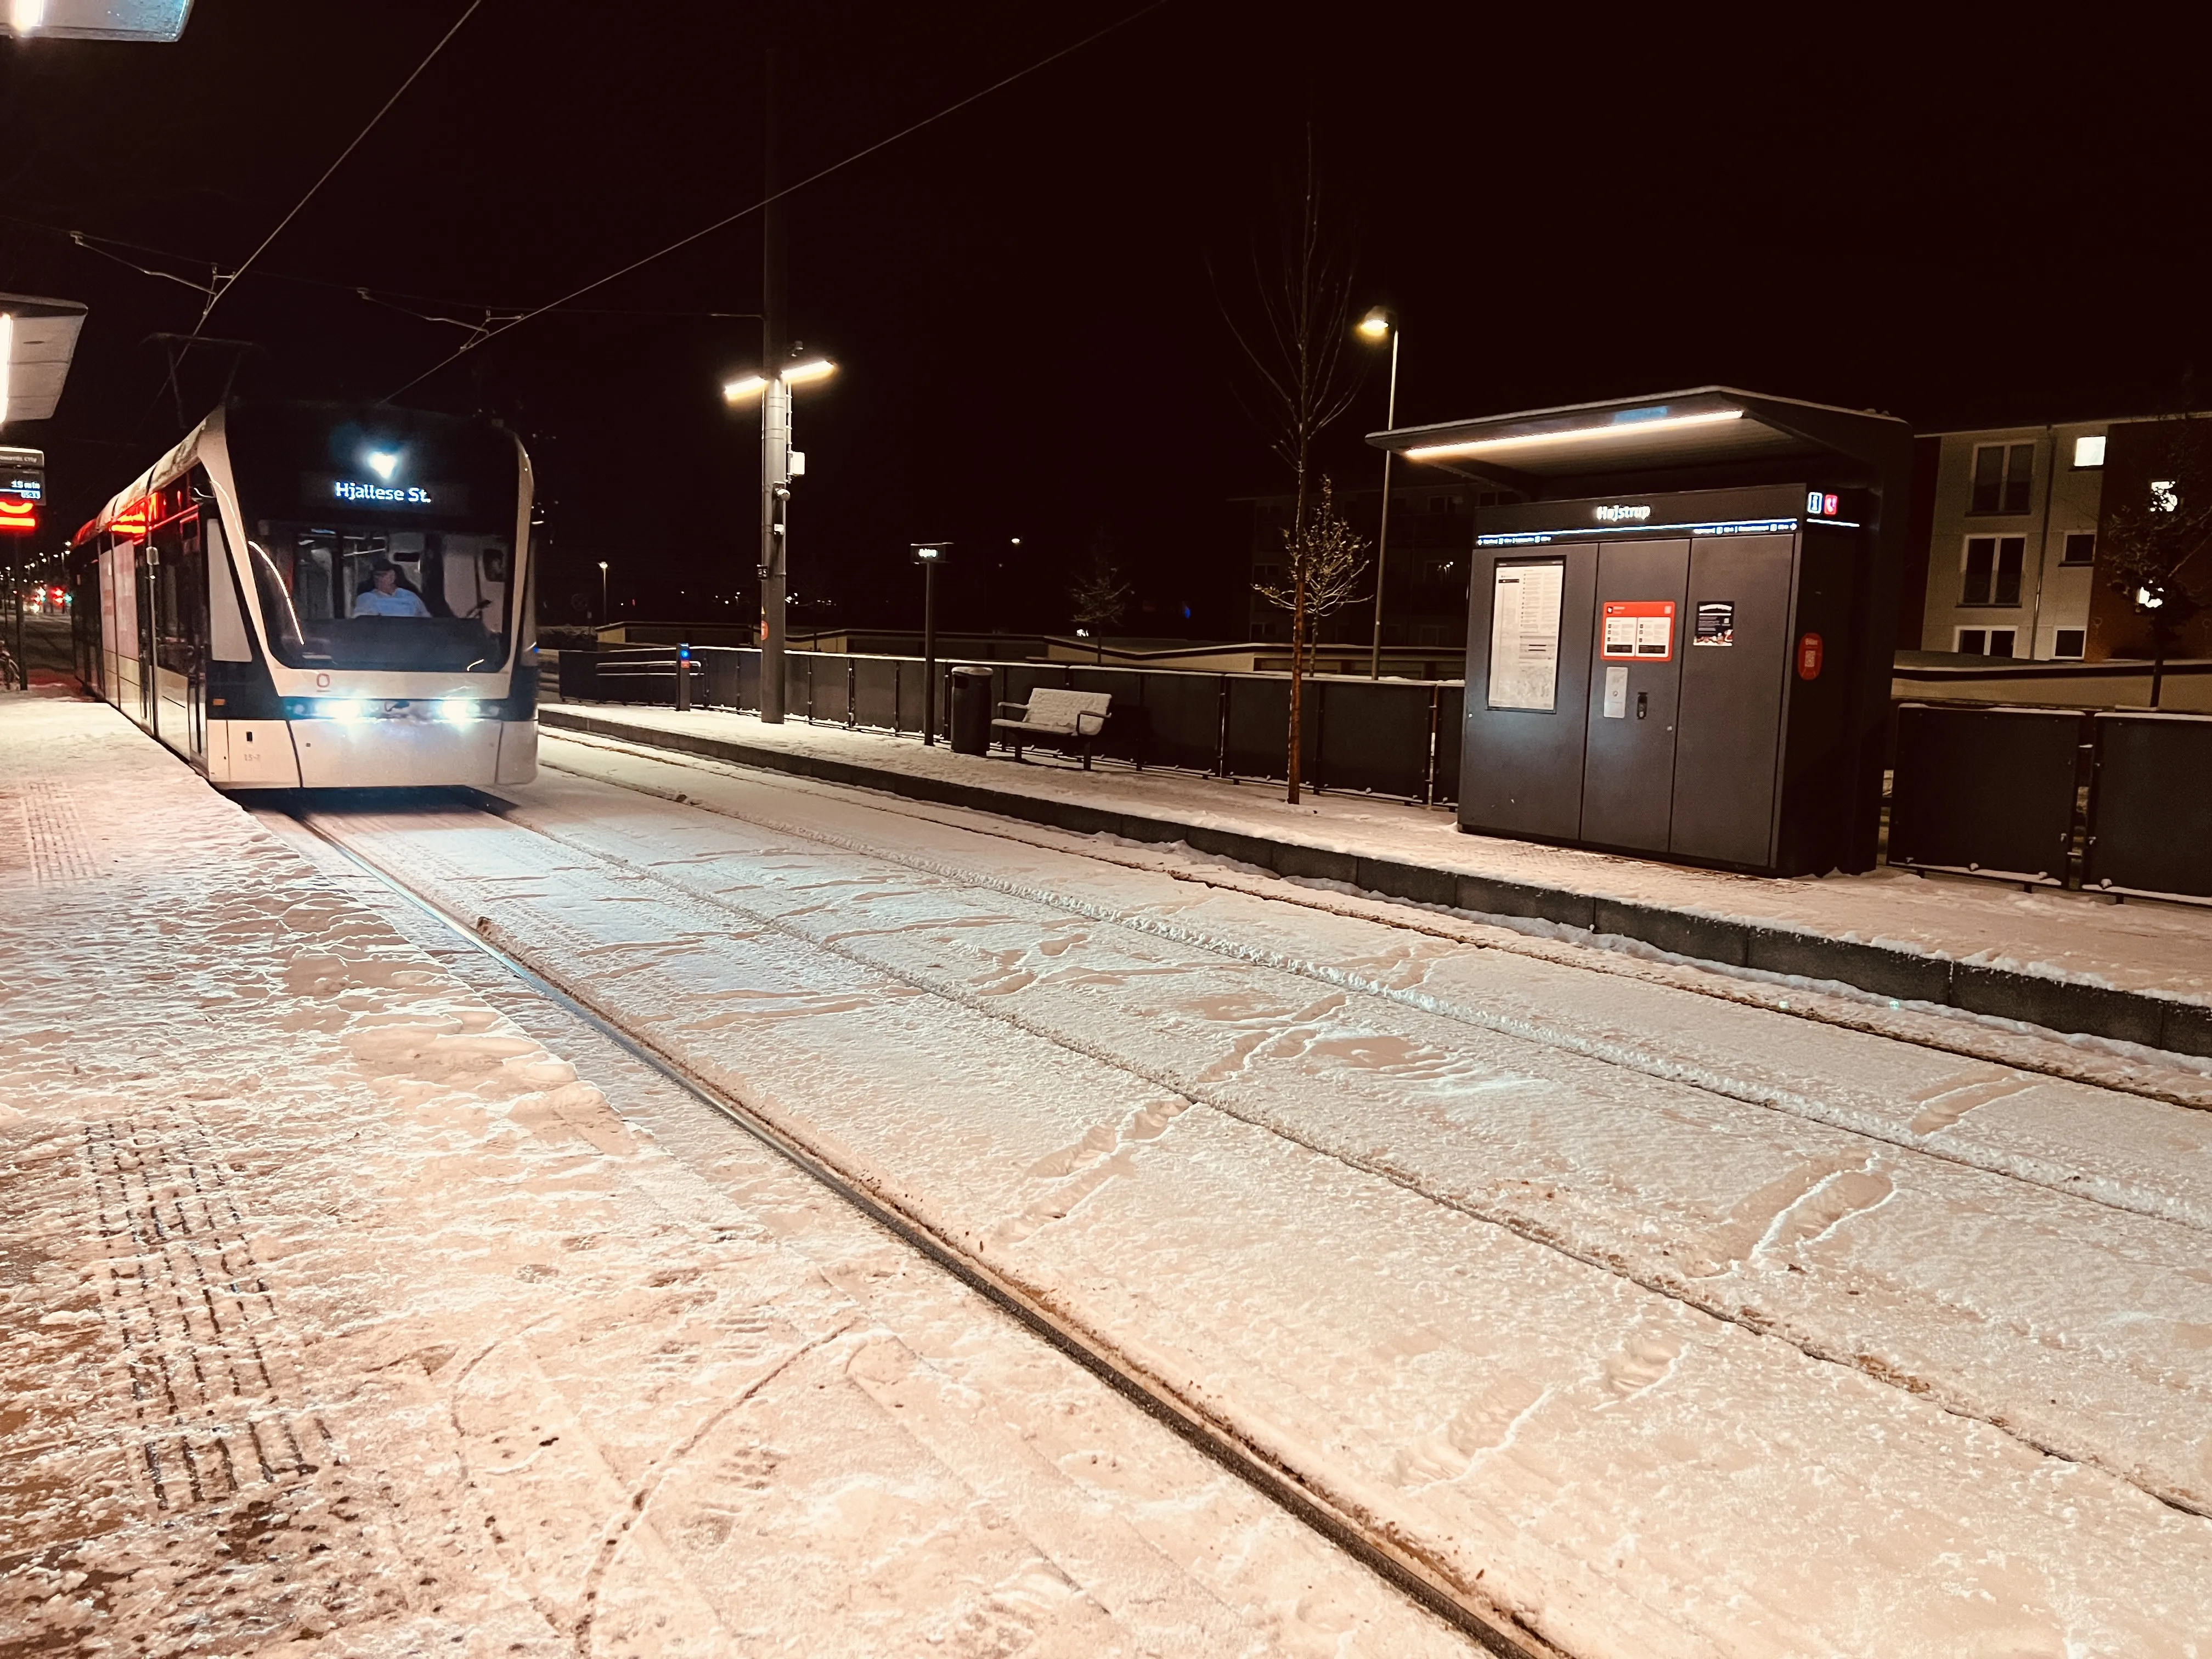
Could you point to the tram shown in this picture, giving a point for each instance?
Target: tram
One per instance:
(314, 596)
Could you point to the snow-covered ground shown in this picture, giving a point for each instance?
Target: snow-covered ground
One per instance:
(2135, 947)
(1666, 1323)
(336, 1310)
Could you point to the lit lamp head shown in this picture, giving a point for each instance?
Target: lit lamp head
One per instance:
(800, 371)
(1375, 327)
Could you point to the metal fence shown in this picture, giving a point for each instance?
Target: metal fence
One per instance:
(1987, 791)
(2120, 803)
(2150, 806)
(1394, 738)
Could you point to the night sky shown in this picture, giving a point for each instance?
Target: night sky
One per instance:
(1995, 224)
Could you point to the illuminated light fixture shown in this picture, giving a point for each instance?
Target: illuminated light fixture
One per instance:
(383, 463)
(7, 353)
(746, 386)
(153, 20)
(1617, 428)
(1376, 324)
(342, 708)
(460, 709)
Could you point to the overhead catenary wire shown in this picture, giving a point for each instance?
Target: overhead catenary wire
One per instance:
(777, 195)
(226, 281)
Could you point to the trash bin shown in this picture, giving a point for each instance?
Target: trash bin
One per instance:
(971, 711)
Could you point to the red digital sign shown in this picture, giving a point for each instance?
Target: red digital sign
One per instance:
(17, 516)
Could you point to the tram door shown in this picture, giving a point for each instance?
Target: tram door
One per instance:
(179, 628)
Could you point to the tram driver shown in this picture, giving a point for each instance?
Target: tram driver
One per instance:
(385, 596)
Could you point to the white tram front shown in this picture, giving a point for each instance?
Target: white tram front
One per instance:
(318, 597)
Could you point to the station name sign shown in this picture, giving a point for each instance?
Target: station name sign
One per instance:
(1622, 514)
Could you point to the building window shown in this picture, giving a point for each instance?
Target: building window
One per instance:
(2089, 451)
(1993, 566)
(1986, 641)
(2002, 475)
(2068, 643)
(2080, 549)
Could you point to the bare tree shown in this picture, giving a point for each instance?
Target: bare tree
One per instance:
(1325, 558)
(1306, 378)
(1098, 594)
(2149, 541)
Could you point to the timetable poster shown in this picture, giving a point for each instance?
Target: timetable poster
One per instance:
(1524, 634)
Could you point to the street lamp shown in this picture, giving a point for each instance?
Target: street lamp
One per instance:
(602, 592)
(929, 555)
(1378, 325)
(779, 465)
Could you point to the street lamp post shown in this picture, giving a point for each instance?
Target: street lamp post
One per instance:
(602, 592)
(929, 555)
(779, 465)
(1376, 327)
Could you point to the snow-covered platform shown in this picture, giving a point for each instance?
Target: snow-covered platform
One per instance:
(2136, 973)
(335, 1308)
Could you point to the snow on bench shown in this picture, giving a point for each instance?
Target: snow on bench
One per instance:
(1052, 712)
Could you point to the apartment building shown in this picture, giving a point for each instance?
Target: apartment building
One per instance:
(2011, 544)
(2012, 518)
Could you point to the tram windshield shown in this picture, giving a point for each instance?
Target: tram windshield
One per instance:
(359, 596)
(380, 539)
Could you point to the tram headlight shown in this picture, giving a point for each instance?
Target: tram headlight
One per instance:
(461, 709)
(342, 708)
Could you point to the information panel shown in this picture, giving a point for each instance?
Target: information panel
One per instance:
(1639, 630)
(1524, 634)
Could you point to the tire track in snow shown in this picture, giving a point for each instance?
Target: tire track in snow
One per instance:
(2049, 1174)
(1399, 1561)
(1683, 1288)
(1921, 1025)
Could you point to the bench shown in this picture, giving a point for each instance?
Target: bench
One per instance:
(1052, 712)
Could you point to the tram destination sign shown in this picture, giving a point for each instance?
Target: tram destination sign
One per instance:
(324, 491)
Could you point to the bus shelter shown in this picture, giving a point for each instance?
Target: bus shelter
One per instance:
(1681, 620)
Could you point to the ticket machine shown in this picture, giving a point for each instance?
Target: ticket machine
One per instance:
(1695, 674)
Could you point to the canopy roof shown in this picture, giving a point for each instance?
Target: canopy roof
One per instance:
(38, 337)
(1709, 433)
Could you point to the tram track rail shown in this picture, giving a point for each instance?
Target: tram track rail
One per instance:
(1399, 1560)
(1608, 1052)
(1529, 1227)
(1935, 1028)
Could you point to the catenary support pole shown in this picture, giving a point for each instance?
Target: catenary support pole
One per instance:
(1383, 532)
(775, 408)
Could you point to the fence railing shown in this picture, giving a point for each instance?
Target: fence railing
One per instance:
(1393, 737)
(2117, 802)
